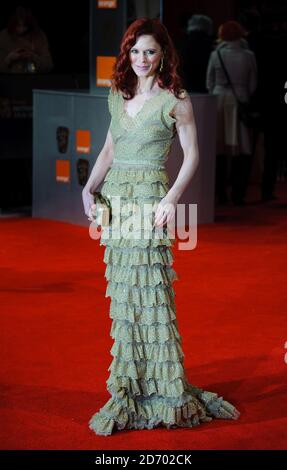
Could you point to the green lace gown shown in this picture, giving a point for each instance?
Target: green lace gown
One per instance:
(147, 380)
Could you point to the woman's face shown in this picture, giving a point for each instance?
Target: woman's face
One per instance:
(145, 56)
(21, 28)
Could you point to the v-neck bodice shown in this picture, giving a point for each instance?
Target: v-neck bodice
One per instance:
(146, 137)
(143, 105)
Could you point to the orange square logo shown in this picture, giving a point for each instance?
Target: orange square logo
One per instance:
(104, 69)
(83, 141)
(107, 3)
(63, 171)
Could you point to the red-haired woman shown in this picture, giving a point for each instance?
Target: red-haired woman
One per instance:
(147, 382)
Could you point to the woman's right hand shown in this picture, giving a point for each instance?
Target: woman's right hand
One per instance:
(88, 200)
(16, 54)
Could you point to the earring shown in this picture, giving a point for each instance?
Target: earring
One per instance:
(161, 64)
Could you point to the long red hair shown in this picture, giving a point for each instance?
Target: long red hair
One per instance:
(124, 78)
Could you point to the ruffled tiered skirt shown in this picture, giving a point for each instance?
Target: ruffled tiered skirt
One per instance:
(147, 379)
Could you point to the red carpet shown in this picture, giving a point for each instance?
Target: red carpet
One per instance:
(231, 307)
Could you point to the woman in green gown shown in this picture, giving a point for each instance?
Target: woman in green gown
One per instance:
(147, 382)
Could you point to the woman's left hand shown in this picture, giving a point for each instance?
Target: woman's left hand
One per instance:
(165, 211)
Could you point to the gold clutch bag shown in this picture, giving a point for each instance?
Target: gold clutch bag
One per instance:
(101, 210)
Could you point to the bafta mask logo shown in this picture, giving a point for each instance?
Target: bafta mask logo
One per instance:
(62, 139)
(82, 171)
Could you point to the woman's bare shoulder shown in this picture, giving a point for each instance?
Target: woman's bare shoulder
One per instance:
(183, 107)
(183, 94)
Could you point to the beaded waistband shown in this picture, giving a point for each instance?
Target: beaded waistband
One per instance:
(137, 166)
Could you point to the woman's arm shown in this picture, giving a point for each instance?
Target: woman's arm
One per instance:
(99, 171)
(186, 129)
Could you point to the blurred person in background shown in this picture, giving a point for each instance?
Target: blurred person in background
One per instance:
(195, 52)
(234, 145)
(24, 46)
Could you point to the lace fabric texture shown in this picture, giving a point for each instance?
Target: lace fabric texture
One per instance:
(145, 138)
(147, 380)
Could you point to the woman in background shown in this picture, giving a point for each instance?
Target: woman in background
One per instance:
(24, 46)
(234, 145)
(195, 52)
